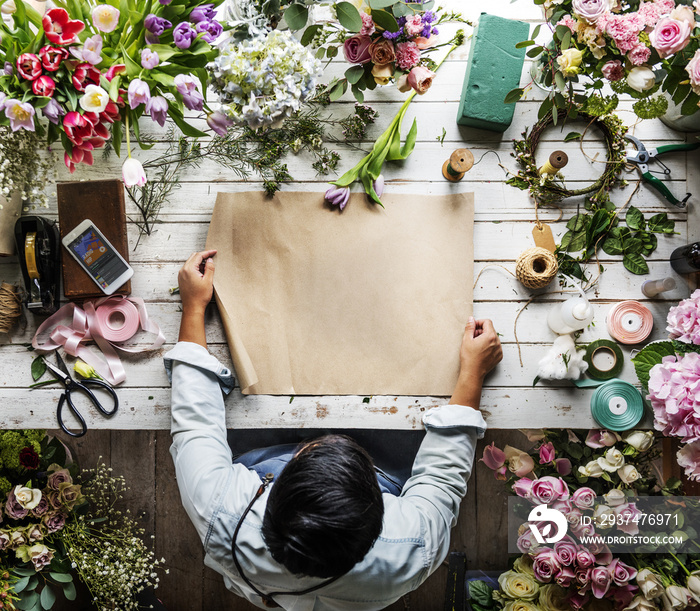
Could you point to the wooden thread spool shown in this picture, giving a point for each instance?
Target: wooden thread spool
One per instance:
(557, 160)
(460, 162)
(536, 267)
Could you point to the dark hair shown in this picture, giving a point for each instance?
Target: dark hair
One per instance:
(325, 509)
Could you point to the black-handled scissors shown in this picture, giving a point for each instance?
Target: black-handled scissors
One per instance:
(61, 374)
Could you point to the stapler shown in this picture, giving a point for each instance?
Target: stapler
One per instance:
(39, 254)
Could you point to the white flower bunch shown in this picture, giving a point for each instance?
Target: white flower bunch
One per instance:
(264, 80)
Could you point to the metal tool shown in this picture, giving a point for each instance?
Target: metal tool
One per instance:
(644, 157)
(61, 374)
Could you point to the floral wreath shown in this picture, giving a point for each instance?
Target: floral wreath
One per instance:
(549, 190)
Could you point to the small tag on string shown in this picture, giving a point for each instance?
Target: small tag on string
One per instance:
(543, 237)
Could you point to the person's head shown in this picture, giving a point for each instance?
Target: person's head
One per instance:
(325, 509)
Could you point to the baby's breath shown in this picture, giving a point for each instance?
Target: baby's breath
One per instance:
(23, 167)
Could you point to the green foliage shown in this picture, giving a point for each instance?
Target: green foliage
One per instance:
(651, 355)
(651, 108)
(481, 595)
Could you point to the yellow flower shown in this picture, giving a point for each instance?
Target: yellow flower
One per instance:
(518, 585)
(569, 61)
(521, 605)
(84, 370)
(553, 598)
(383, 74)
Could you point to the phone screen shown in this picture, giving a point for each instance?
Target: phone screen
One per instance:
(98, 258)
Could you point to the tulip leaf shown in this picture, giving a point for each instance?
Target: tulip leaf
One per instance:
(399, 154)
(349, 17)
(385, 20)
(164, 51)
(132, 68)
(117, 137)
(297, 15)
(185, 127)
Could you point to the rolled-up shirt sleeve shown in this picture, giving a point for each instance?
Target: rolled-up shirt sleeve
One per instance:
(200, 451)
(440, 472)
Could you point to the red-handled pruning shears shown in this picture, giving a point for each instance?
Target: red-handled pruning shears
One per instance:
(644, 157)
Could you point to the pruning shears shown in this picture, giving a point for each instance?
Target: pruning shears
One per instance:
(644, 157)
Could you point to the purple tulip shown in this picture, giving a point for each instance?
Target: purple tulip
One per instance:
(53, 111)
(151, 39)
(165, 2)
(338, 196)
(9, 69)
(156, 25)
(139, 93)
(379, 185)
(212, 30)
(157, 107)
(149, 59)
(184, 34)
(187, 88)
(206, 12)
(219, 122)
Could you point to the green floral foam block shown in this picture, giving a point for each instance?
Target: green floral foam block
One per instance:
(493, 69)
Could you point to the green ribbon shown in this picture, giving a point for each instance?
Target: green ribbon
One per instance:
(616, 405)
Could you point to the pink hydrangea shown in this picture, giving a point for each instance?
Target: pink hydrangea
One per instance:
(367, 25)
(569, 22)
(414, 25)
(684, 319)
(639, 55)
(674, 392)
(407, 55)
(613, 70)
(689, 458)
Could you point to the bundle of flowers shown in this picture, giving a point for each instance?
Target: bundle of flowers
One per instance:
(670, 371)
(635, 47)
(80, 71)
(54, 528)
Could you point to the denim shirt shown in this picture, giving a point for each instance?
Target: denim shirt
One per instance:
(415, 535)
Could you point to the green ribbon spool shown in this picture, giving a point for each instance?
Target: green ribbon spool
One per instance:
(604, 344)
(617, 405)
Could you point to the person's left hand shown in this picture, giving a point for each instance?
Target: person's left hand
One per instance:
(196, 281)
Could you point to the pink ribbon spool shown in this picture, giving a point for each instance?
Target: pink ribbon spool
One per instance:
(118, 321)
(630, 322)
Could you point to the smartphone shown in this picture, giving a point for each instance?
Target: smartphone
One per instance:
(97, 257)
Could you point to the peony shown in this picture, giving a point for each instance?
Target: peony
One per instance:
(407, 55)
(628, 474)
(133, 173)
(382, 52)
(674, 392)
(683, 320)
(613, 70)
(600, 438)
(27, 497)
(95, 99)
(670, 36)
(584, 498)
(641, 78)
(689, 458)
(518, 586)
(650, 584)
(420, 79)
(569, 61)
(549, 489)
(590, 10)
(640, 440)
(105, 18)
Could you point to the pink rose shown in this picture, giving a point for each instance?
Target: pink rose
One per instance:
(546, 565)
(502, 471)
(527, 542)
(493, 457)
(382, 52)
(583, 577)
(367, 25)
(549, 489)
(639, 55)
(523, 487)
(425, 43)
(563, 466)
(628, 518)
(600, 438)
(670, 36)
(584, 498)
(547, 453)
(590, 10)
(578, 600)
(407, 55)
(689, 455)
(602, 553)
(600, 581)
(565, 551)
(565, 576)
(621, 572)
(584, 558)
(582, 530)
(356, 49)
(613, 70)
(420, 79)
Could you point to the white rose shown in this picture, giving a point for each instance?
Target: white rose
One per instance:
(675, 598)
(693, 585)
(615, 497)
(640, 440)
(650, 584)
(639, 603)
(27, 497)
(641, 78)
(603, 516)
(628, 474)
(592, 469)
(612, 460)
(569, 61)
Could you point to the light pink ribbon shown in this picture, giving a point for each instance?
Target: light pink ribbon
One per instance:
(108, 322)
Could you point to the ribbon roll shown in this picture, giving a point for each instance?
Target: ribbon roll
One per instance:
(603, 346)
(108, 322)
(630, 322)
(617, 406)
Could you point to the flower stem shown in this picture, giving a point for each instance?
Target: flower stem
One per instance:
(128, 140)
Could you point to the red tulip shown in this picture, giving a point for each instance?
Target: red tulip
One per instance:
(51, 57)
(29, 66)
(60, 28)
(84, 75)
(44, 86)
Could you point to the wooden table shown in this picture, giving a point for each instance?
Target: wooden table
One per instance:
(503, 224)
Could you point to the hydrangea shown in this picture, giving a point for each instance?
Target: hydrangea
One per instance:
(674, 392)
(262, 81)
(684, 320)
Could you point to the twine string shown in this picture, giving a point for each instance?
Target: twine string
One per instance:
(10, 307)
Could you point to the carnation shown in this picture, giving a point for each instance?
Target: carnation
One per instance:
(639, 55)
(684, 320)
(407, 55)
(674, 392)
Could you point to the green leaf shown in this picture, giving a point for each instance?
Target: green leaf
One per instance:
(61, 577)
(69, 591)
(117, 137)
(600, 222)
(48, 598)
(379, 4)
(296, 16)
(651, 355)
(38, 367)
(354, 74)
(660, 223)
(572, 136)
(481, 593)
(28, 602)
(21, 584)
(337, 91)
(578, 222)
(310, 34)
(524, 43)
(649, 241)
(559, 80)
(385, 20)
(612, 246)
(185, 127)
(633, 246)
(636, 264)
(350, 19)
(359, 96)
(514, 95)
(635, 219)
(573, 241)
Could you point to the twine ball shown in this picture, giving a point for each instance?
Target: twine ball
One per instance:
(10, 307)
(536, 267)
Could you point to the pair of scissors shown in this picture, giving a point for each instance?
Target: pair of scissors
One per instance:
(645, 156)
(62, 375)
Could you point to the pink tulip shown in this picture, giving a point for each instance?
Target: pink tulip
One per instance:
(420, 79)
(493, 457)
(133, 173)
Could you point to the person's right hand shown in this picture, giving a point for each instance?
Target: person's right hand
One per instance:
(481, 349)
(196, 281)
